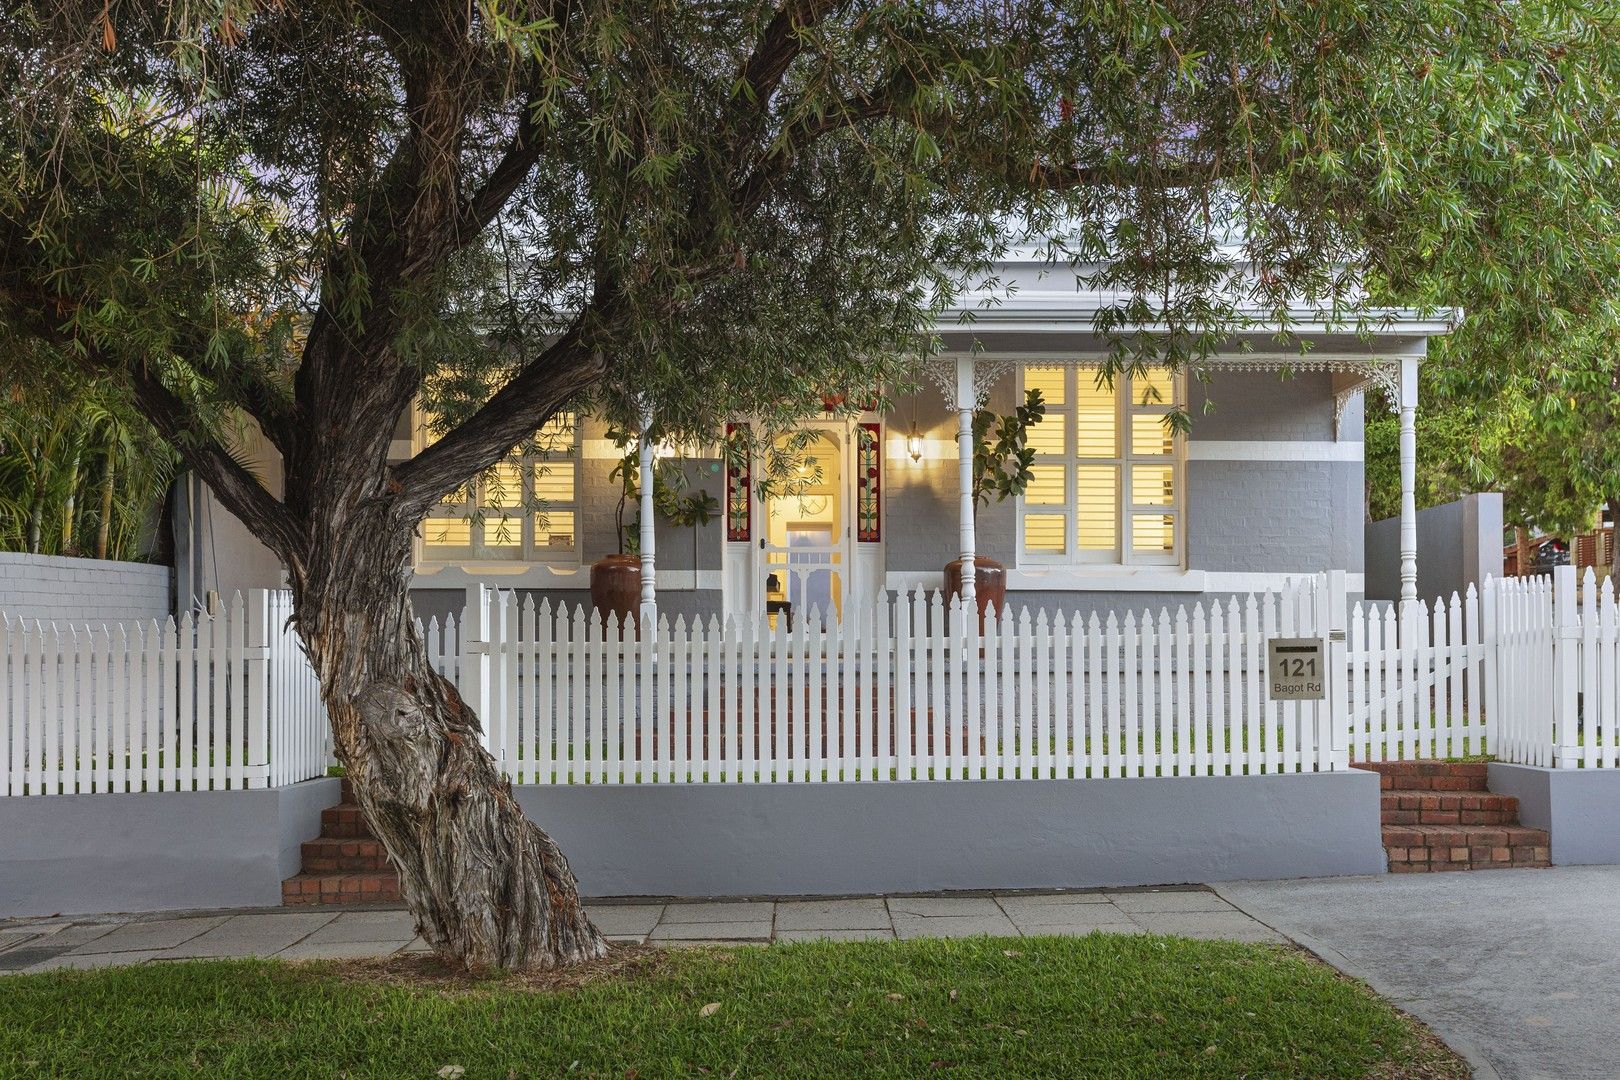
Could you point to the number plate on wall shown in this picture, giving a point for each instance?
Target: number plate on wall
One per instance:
(1296, 669)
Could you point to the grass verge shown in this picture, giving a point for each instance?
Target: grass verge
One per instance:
(1105, 1006)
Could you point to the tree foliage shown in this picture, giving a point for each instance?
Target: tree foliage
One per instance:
(1003, 460)
(314, 213)
(81, 473)
(1541, 439)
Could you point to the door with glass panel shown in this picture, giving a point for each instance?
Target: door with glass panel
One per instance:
(803, 552)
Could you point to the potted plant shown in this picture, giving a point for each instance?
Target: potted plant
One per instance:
(616, 578)
(1002, 468)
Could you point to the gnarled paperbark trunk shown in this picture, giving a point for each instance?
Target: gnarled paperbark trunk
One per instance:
(487, 886)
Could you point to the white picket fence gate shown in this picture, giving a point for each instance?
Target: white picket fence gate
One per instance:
(208, 701)
(1525, 670)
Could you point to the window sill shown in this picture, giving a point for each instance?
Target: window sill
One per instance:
(1104, 579)
(566, 575)
(546, 576)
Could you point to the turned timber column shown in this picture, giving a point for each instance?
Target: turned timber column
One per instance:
(1408, 452)
(644, 478)
(966, 399)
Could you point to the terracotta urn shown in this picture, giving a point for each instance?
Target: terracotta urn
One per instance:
(616, 588)
(989, 583)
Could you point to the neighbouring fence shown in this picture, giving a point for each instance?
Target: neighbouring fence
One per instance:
(208, 701)
(1524, 669)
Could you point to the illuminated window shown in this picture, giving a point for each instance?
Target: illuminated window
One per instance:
(525, 509)
(1106, 479)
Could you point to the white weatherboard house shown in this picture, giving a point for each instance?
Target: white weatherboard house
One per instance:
(1266, 487)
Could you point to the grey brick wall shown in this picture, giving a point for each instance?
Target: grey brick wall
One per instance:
(1118, 603)
(920, 524)
(82, 590)
(700, 603)
(599, 500)
(1262, 406)
(1274, 516)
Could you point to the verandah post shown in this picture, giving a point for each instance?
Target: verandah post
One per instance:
(1566, 669)
(646, 482)
(966, 401)
(1408, 463)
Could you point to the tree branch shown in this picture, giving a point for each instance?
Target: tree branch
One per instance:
(1181, 174)
(237, 488)
(518, 160)
(516, 410)
(780, 45)
(807, 129)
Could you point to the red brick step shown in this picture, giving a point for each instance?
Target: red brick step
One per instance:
(1417, 848)
(348, 887)
(330, 853)
(346, 864)
(1429, 775)
(344, 822)
(1408, 807)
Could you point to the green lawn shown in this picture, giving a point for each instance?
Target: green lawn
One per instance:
(1104, 1006)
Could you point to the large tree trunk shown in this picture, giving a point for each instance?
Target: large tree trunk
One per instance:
(487, 886)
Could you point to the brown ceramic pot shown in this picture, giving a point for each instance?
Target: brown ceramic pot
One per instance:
(989, 583)
(616, 588)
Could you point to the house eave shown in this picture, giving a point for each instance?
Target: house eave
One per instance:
(1069, 315)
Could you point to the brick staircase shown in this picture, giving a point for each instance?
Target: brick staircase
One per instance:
(346, 864)
(1439, 815)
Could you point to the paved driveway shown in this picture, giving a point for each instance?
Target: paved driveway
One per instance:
(1520, 969)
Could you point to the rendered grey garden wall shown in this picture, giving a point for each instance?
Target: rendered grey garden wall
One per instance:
(1459, 544)
(82, 854)
(830, 839)
(1580, 808)
(82, 590)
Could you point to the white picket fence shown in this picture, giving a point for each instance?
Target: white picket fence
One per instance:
(1526, 670)
(208, 701)
(904, 691)
(1585, 724)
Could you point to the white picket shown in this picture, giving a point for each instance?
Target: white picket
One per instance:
(1048, 674)
(1606, 715)
(1062, 716)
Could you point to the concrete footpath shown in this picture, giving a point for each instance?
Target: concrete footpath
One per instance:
(1517, 969)
(33, 945)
